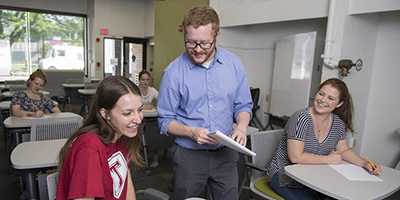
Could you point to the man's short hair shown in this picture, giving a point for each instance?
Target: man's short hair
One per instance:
(201, 15)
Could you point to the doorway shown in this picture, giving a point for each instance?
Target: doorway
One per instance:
(112, 57)
(135, 57)
(125, 57)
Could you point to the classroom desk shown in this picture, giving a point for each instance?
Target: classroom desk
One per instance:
(5, 108)
(17, 125)
(86, 94)
(325, 179)
(29, 157)
(68, 89)
(276, 120)
(10, 94)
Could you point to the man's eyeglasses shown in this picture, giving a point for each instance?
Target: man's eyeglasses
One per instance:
(204, 46)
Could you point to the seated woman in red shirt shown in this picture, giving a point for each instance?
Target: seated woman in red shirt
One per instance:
(94, 162)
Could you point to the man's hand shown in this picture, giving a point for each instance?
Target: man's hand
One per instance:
(200, 135)
(239, 135)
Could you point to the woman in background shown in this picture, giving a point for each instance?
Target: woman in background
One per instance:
(316, 135)
(148, 95)
(94, 162)
(32, 103)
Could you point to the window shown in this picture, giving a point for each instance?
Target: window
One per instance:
(32, 40)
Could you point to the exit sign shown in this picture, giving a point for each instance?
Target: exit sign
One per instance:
(103, 31)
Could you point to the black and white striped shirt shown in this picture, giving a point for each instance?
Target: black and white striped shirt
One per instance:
(301, 127)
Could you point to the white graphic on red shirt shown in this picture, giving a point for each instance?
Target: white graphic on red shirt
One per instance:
(118, 171)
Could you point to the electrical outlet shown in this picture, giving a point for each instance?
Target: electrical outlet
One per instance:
(267, 98)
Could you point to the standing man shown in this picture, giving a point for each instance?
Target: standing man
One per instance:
(201, 91)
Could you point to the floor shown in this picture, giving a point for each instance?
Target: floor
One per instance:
(159, 179)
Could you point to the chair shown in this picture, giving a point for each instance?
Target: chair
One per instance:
(14, 82)
(17, 87)
(74, 80)
(255, 121)
(69, 92)
(153, 140)
(54, 128)
(91, 85)
(152, 194)
(52, 182)
(264, 144)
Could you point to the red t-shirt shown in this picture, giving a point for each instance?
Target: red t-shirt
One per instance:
(94, 169)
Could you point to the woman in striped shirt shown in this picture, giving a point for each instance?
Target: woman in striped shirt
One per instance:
(316, 135)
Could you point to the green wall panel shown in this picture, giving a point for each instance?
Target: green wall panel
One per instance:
(168, 41)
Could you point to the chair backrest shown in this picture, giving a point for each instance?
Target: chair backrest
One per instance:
(264, 144)
(54, 128)
(17, 87)
(91, 85)
(52, 182)
(74, 80)
(14, 82)
(255, 95)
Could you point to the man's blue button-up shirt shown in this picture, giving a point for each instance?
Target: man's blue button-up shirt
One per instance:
(203, 97)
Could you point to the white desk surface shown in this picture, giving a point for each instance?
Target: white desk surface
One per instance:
(5, 105)
(87, 91)
(22, 122)
(73, 85)
(325, 179)
(10, 94)
(150, 113)
(36, 154)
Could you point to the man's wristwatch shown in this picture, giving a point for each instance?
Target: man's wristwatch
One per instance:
(29, 114)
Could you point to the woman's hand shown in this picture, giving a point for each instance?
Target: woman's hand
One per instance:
(334, 158)
(371, 170)
(38, 114)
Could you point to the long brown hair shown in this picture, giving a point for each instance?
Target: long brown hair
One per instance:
(107, 94)
(346, 111)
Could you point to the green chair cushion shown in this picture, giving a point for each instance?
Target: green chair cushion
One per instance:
(263, 186)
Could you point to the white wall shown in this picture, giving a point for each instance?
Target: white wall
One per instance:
(121, 18)
(237, 13)
(382, 116)
(149, 19)
(255, 45)
(372, 37)
(70, 6)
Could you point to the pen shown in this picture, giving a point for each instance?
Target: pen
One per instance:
(37, 109)
(370, 162)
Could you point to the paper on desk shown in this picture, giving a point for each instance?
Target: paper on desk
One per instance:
(229, 142)
(43, 117)
(355, 173)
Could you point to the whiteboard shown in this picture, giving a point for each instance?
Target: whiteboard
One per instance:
(292, 75)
